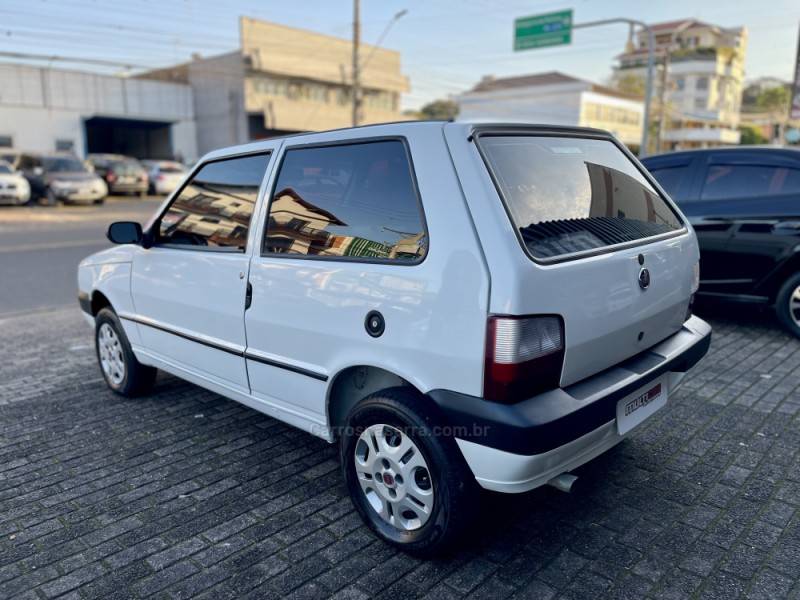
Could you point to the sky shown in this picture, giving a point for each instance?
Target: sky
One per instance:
(446, 45)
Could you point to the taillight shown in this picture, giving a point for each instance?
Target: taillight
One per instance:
(110, 177)
(524, 356)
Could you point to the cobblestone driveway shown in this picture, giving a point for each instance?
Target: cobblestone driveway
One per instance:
(184, 494)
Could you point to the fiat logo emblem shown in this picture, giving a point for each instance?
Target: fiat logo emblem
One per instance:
(644, 278)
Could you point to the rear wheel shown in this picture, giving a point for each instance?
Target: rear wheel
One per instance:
(410, 485)
(787, 304)
(50, 198)
(123, 373)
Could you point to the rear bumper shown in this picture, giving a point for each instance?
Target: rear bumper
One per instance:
(517, 447)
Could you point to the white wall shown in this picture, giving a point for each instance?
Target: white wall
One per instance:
(38, 106)
(552, 105)
(219, 108)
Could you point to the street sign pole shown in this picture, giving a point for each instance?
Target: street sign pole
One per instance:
(555, 29)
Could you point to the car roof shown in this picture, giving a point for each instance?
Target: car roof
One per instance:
(755, 149)
(398, 128)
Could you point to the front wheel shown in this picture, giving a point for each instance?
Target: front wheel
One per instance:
(123, 373)
(787, 304)
(409, 484)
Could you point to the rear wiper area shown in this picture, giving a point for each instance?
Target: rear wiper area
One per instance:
(567, 236)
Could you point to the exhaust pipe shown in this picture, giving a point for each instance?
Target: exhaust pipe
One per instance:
(563, 482)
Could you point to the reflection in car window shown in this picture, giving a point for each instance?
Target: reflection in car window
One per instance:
(568, 195)
(744, 181)
(353, 200)
(215, 207)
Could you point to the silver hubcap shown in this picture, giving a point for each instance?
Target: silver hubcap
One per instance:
(794, 306)
(111, 358)
(394, 477)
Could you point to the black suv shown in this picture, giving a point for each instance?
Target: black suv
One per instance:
(744, 204)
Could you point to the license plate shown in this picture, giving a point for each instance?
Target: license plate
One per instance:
(637, 407)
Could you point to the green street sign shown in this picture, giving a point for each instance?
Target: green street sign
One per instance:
(540, 31)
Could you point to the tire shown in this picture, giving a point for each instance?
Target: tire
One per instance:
(100, 201)
(787, 305)
(440, 481)
(50, 198)
(124, 374)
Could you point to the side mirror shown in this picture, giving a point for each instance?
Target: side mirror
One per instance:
(124, 232)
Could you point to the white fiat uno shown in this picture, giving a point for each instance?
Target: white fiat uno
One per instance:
(458, 306)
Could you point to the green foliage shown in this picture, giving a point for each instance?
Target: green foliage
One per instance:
(439, 110)
(774, 99)
(750, 136)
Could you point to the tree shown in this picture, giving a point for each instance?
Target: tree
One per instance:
(630, 84)
(439, 110)
(775, 100)
(750, 136)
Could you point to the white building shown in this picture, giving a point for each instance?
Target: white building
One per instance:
(555, 99)
(699, 81)
(45, 110)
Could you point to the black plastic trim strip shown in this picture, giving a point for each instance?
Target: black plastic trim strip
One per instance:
(243, 354)
(288, 367)
(185, 336)
(85, 302)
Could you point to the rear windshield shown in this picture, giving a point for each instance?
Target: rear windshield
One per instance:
(574, 195)
(127, 167)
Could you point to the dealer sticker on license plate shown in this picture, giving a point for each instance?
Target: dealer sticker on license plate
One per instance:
(635, 408)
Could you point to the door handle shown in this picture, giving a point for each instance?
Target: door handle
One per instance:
(248, 296)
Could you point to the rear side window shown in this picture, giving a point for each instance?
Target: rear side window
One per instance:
(574, 195)
(351, 200)
(214, 208)
(673, 180)
(744, 181)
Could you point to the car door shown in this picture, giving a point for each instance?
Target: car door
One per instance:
(755, 192)
(189, 288)
(680, 175)
(345, 235)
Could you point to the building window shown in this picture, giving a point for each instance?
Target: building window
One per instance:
(700, 103)
(65, 145)
(6, 141)
(680, 83)
(702, 83)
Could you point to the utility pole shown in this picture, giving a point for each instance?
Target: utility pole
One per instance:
(356, 87)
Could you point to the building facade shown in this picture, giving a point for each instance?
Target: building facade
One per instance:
(698, 85)
(47, 110)
(556, 99)
(286, 80)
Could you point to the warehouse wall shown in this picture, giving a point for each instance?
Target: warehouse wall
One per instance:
(40, 105)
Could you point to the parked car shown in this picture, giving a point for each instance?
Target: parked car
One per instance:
(744, 204)
(457, 305)
(122, 174)
(61, 177)
(14, 188)
(164, 175)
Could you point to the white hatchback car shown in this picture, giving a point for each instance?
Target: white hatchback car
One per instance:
(457, 305)
(14, 188)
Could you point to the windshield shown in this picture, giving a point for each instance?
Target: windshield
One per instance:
(574, 195)
(63, 165)
(5, 168)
